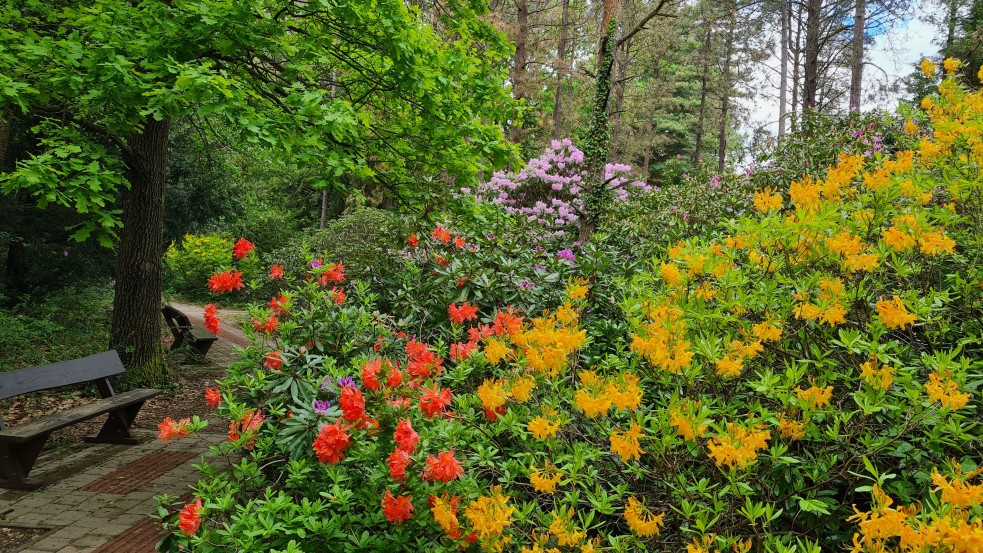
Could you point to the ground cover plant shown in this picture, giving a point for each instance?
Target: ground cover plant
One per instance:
(804, 376)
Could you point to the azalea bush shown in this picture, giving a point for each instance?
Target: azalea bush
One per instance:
(785, 381)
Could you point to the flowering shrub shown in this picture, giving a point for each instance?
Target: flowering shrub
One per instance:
(548, 191)
(778, 385)
(196, 258)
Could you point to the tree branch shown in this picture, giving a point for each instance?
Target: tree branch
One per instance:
(641, 24)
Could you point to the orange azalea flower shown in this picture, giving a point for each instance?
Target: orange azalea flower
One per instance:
(396, 509)
(246, 427)
(460, 351)
(405, 437)
(398, 460)
(212, 397)
(242, 248)
(443, 467)
(352, 404)
(190, 517)
(440, 233)
(459, 242)
(273, 360)
(267, 326)
(276, 271)
(434, 401)
(413, 241)
(464, 313)
(331, 442)
(227, 281)
(170, 429)
(212, 323)
(370, 374)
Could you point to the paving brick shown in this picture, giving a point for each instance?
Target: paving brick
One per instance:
(51, 543)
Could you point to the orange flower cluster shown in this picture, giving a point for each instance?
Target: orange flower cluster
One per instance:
(738, 446)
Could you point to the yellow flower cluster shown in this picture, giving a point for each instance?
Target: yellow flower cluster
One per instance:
(489, 516)
(543, 483)
(876, 375)
(943, 389)
(738, 446)
(686, 418)
(566, 532)
(894, 313)
(597, 395)
(814, 397)
(626, 444)
(642, 521)
(951, 527)
(495, 351)
(549, 341)
(662, 341)
(829, 308)
(444, 514)
(767, 201)
(492, 393)
(543, 428)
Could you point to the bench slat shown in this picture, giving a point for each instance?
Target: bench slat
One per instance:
(61, 419)
(64, 373)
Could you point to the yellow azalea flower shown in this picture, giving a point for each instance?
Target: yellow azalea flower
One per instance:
(815, 397)
(943, 389)
(958, 492)
(492, 394)
(766, 201)
(592, 405)
(670, 273)
(567, 534)
(791, 429)
(878, 376)
(543, 428)
(444, 515)
(730, 366)
(626, 444)
(928, 68)
(495, 351)
(951, 65)
(766, 332)
(894, 313)
(521, 388)
(490, 515)
(910, 128)
(898, 239)
(738, 446)
(934, 243)
(642, 521)
(543, 483)
(577, 289)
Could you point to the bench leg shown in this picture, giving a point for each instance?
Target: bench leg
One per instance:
(178, 340)
(17, 460)
(116, 429)
(202, 347)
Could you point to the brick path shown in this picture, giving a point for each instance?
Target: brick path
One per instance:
(82, 521)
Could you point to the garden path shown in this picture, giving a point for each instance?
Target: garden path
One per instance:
(97, 498)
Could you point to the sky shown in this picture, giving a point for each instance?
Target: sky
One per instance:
(894, 55)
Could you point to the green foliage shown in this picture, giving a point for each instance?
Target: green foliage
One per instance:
(70, 323)
(196, 258)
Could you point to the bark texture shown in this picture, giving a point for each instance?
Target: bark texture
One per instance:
(857, 58)
(135, 330)
(814, 10)
(520, 61)
(561, 69)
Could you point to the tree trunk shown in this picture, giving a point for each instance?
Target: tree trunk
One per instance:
(783, 79)
(703, 97)
(519, 67)
(813, 15)
(4, 139)
(561, 69)
(725, 93)
(651, 126)
(951, 25)
(619, 98)
(135, 331)
(857, 62)
(795, 65)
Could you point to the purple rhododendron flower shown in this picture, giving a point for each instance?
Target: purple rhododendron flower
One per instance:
(567, 254)
(321, 407)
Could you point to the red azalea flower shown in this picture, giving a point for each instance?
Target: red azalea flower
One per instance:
(266, 325)
(441, 260)
(493, 414)
(212, 323)
(242, 248)
(227, 281)
(331, 442)
(212, 397)
(462, 282)
(398, 460)
(278, 303)
(405, 437)
(190, 517)
(338, 295)
(443, 467)
(480, 332)
(334, 273)
(273, 360)
(507, 323)
(246, 427)
(464, 313)
(352, 404)
(413, 241)
(440, 233)
(396, 509)
(394, 378)
(434, 401)
(170, 429)
(370, 374)
(459, 242)
(276, 271)
(460, 351)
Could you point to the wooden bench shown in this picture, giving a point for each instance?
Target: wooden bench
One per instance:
(185, 334)
(21, 445)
